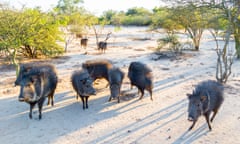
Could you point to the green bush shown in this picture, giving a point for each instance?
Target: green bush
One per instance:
(170, 42)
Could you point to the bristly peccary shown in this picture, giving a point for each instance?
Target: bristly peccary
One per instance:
(82, 84)
(98, 68)
(26, 68)
(102, 46)
(36, 85)
(207, 97)
(115, 77)
(84, 43)
(140, 76)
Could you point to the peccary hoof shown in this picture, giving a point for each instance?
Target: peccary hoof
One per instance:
(190, 128)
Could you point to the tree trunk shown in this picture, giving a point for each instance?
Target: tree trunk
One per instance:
(96, 35)
(14, 62)
(237, 46)
(234, 18)
(66, 46)
(196, 42)
(196, 47)
(195, 35)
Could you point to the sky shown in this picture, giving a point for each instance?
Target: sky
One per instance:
(94, 6)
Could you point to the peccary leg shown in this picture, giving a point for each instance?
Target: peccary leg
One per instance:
(194, 122)
(207, 119)
(214, 114)
(83, 102)
(52, 101)
(110, 98)
(50, 98)
(40, 104)
(31, 108)
(77, 96)
(119, 95)
(86, 98)
(150, 92)
(142, 93)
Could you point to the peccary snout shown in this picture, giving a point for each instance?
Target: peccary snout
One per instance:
(87, 87)
(21, 97)
(194, 110)
(114, 91)
(28, 92)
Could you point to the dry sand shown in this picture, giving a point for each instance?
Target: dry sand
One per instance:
(132, 121)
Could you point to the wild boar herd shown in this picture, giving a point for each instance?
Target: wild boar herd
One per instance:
(38, 82)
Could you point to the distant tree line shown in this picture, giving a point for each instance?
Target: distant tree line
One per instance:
(133, 16)
(192, 16)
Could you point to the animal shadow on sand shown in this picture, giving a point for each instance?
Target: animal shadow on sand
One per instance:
(66, 110)
(190, 136)
(123, 132)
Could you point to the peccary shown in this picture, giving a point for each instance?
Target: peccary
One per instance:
(98, 68)
(84, 42)
(115, 77)
(36, 85)
(207, 97)
(82, 84)
(26, 68)
(102, 46)
(141, 76)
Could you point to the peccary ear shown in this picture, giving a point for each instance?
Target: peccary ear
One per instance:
(26, 69)
(33, 78)
(189, 95)
(203, 98)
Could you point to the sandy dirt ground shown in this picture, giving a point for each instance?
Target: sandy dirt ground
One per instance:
(132, 121)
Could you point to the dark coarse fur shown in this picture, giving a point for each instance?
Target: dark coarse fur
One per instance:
(141, 76)
(26, 68)
(36, 85)
(82, 84)
(115, 76)
(98, 68)
(207, 97)
(102, 46)
(84, 43)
